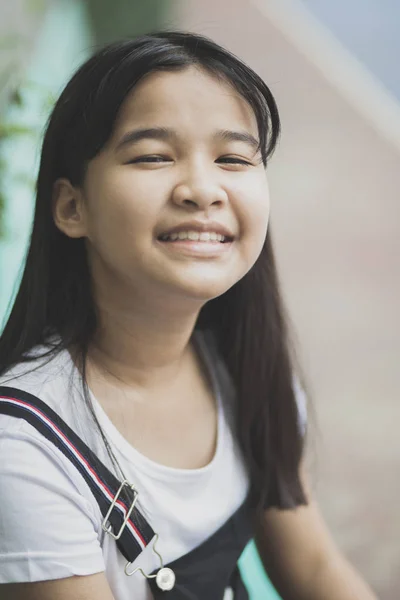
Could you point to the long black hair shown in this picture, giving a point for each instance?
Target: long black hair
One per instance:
(55, 297)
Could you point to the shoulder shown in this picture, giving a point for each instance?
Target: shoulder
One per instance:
(52, 379)
(37, 480)
(38, 370)
(301, 401)
(35, 469)
(207, 342)
(31, 393)
(40, 384)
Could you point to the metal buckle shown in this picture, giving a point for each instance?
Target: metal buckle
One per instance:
(165, 577)
(107, 526)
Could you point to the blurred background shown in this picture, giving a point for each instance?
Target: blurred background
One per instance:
(335, 181)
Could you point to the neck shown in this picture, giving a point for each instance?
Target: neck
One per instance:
(142, 346)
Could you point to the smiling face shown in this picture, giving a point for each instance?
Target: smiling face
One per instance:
(181, 164)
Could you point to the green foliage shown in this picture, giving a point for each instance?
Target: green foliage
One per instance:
(35, 6)
(9, 44)
(8, 130)
(2, 206)
(14, 128)
(126, 18)
(9, 41)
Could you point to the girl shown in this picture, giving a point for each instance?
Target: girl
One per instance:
(151, 418)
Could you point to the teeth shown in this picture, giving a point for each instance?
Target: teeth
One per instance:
(204, 236)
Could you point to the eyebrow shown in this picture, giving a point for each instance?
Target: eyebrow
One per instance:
(167, 134)
(238, 136)
(148, 133)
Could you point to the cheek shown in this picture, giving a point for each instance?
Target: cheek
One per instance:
(122, 207)
(254, 216)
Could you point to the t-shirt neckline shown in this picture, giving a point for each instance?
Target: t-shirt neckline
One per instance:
(150, 466)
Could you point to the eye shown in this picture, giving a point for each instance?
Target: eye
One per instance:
(233, 160)
(150, 158)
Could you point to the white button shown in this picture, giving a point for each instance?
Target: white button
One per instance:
(165, 579)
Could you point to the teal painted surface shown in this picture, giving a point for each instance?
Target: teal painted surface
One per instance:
(254, 577)
(62, 45)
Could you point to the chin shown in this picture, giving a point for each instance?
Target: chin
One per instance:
(206, 290)
(201, 284)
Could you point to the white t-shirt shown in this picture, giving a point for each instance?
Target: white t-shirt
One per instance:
(50, 523)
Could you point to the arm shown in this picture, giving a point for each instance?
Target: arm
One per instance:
(49, 542)
(302, 560)
(89, 587)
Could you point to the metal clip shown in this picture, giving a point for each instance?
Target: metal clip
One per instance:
(165, 577)
(105, 525)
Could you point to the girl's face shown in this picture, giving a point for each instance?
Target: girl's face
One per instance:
(182, 162)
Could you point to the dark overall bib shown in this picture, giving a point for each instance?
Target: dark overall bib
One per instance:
(202, 574)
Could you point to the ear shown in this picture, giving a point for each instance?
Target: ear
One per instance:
(68, 209)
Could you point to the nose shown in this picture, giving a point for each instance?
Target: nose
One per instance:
(199, 190)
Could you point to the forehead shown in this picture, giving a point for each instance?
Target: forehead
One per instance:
(189, 99)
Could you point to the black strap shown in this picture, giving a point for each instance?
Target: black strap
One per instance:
(137, 533)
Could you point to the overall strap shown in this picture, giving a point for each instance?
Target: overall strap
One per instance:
(116, 499)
